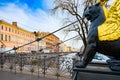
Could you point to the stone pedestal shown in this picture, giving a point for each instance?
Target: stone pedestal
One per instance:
(95, 73)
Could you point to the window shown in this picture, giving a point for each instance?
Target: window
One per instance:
(9, 38)
(2, 27)
(6, 28)
(5, 37)
(12, 30)
(9, 29)
(1, 36)
(15, 31)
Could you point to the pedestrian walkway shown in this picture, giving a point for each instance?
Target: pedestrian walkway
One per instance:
(4, 75)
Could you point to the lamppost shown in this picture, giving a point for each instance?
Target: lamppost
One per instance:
(2, 57)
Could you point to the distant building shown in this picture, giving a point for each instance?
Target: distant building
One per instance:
(49, 43)
(13, 36)
(63, 48)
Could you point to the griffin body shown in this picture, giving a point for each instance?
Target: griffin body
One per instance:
(111, 48)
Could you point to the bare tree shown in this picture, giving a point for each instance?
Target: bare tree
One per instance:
(74, 8)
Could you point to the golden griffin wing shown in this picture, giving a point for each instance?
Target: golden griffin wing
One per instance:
(110, 29)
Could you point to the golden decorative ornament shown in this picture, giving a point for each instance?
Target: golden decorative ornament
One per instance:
(110, 29)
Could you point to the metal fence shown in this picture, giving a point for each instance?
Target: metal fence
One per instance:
(54, 66)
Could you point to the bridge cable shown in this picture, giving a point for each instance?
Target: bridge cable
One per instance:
(38, 39)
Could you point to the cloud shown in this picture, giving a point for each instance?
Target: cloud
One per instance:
(110, 1)
(48, 3)
(37, 20)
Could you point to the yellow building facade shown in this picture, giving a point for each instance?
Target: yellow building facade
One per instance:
(50, 42)
(12, 36)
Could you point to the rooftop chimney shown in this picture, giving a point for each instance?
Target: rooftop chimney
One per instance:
(14, 23)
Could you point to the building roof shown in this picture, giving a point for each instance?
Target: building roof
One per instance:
(17, 27)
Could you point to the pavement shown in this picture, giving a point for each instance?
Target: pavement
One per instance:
(4, 75)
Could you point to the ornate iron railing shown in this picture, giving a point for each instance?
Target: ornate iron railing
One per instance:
(56, 66)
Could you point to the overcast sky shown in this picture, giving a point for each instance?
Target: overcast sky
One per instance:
(32, 15)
